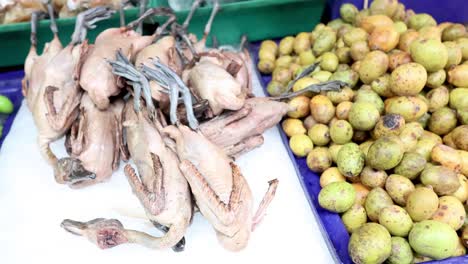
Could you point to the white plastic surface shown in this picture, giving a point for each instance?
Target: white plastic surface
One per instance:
(32, 206)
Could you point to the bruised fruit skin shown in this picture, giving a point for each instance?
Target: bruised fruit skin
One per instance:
(319, 159)
(443, 180)
(399, 188)
(422, 203)
(397, 58)
(361, 193)
(396, 220)
(408, 79)
(450, 212)
(442, 121)
(369, 23)
(411, 165)
(341, 132)
(354, 35)
(376, 200)
(373, 178)
(433, 239)
(342, 110)
(410, 107)
(460, 137)
(359, 50)
(382, 86)
(407, 39)
(370, 244)
(374, 64)
(410, 134)
(337, 197)
(383, 7)
(391, 124)
(354, 218)
(348, 12)
(345, 95)
(385, 153)
(350, 160)
(419, 21)
(401, 252)
(430, 53)
(453, 32)
(437, 98)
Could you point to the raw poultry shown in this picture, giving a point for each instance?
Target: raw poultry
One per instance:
(81, 89)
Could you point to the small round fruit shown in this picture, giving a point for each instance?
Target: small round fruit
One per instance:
(447, 157)
(337, 197)
(374, 64)
(342, 110)
(399, 187)
(292, 126)
(436, 79)
(348, 12)
(300, 145)
(408, 79)
(376, 200)
(354, 218)
(411, 165)
(341, 132)
(430, 53)
(269, 45)
(301, 105)
(329, 62)
(462, 192)
(396, 220)
(385, 153)
(350, 160)
(458, 75)
(319, 159)
(354, 35)
(6, 106)
(306, 58)
(371, 243)
(334, 149)
(266, 66)
(359, 50)
(433, 239)
(303, 83)
(286, 45)
(309, 122)
(322, 109)
(443, 121)
(330, 175)
(437, 98)
(422, 203)
(301, 42)
(459, 98)
(443, 180)
(401, 252)
(391, 124)
(450, 212)
(363, 116)
(373, 178)
(281, 75)
(320, 135)
(406, 39)
(275, 88)
(384, 38)
(421, 20)
(397, 58)
(361, 193)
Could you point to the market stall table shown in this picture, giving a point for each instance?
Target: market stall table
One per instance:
(34, 205)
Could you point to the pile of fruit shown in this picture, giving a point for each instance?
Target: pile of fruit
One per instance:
(392, 146)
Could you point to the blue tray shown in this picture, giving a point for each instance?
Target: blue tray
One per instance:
(330, 224)
(10, 86)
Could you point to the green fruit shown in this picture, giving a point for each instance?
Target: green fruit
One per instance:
(365, 146)
(436, 79)
(286, 46)
(275, 88)
(430, 53)
(401, 252)
(443, 180)
(453, 32)
(348, 76)
(337, 197)
(433, 239)
(410, 107)
(408, 79)
(391, 124)
(355, 34)
(368, 95)
(373, 178)
(319, 159)
(334, 149)
(460, 137)
(383, 7)
(344, 55)
(335, 24)
(6, 106)
(376, 200)
(458, 75)
(324, 42)
(374, 64)
(322, 76)
(348, 12)
(411, 165)
(459, 98)
(422, 203)
(421, 20)
(320, 135)
(329, 62)
(442, 121)
(399, 187)
(1, 130)
(354, 218)
(382, 86)
(451, 212)
(341, 132)
(344, 95)
(283, 62)
(396, 220)
(306, 58)
(350, 160)
(385, 153)
(400, 27)
(300, 145)
(438, 98)
(359, 50)
(454, 53)
(363, 116)
(370, 244)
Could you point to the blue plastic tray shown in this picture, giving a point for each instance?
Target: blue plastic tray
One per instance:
(330, 224)
(10, 86)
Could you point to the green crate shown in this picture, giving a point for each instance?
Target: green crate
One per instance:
(14, 38)
(258, 19)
